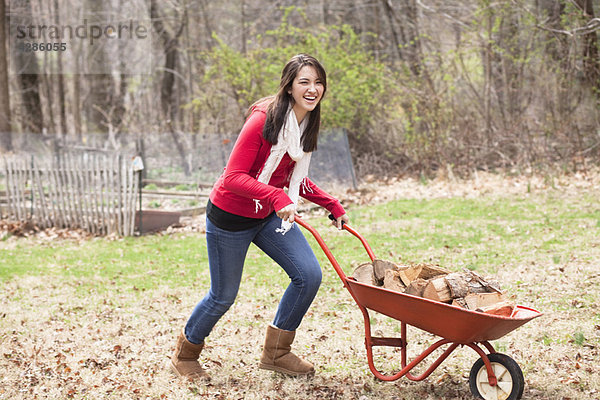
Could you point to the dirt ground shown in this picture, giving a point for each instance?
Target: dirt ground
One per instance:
(374, 190)
(59, 343)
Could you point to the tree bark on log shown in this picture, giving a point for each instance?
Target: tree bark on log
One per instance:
(392, 281)
(364, 274)
(456, 285)
(416, 287)
(465, 289)
(437, 289)
(380, 268)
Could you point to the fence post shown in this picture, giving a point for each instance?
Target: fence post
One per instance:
(31, 214)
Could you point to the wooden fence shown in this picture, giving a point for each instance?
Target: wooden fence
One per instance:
(92, 191)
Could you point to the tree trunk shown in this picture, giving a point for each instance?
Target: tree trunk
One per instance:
(210, 41)
(170, 51)
(76, 100)
(404, 26)
(591, 59)
(413, 36)
(61, 82)
(191, 68)
(99, 102)
(168, 99)
(31, 105)
(118, 99)
(243, 25)
(99, 105)
(46, 83)
(5, 125)
(505, 69)
(27, 70)
(555, 45)
(487, 85)
(396, 40)
(326, 12)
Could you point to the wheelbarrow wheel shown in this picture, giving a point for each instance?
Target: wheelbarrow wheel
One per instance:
(510, 379)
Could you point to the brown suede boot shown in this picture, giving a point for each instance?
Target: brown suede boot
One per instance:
(184, 362)
(276, 355)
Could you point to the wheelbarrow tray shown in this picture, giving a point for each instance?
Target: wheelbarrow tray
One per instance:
(454, 323)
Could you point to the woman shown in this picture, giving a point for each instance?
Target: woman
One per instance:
(248, 205)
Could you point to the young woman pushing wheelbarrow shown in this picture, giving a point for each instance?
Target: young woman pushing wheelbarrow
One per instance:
(248, 205)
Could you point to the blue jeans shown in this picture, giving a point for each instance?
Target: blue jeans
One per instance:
(226, 254)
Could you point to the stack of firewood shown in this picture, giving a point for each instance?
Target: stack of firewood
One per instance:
(466, 289)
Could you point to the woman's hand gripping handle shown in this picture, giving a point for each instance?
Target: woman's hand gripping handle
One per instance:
(340, 221)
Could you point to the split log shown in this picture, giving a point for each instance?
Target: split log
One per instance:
(466, 289)
(432, 271)
(416, 287)
(504, 308)
(423, 271)
(437, 289)
(460, 302)
(476, 287)
(380, 267)
(392, 281)
(410, 274)
(364, 273)
(477, 300)
(457, 285)
(479, 285)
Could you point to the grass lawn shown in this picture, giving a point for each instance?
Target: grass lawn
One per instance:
(97, 318)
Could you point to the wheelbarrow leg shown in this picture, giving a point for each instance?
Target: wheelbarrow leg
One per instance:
(401, 342)
(486, 361)
(423, 355)
(489, 347)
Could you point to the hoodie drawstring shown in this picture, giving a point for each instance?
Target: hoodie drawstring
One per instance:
(305, 187)
(257, 206)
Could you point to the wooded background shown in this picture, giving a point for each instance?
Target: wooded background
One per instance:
(419, 85)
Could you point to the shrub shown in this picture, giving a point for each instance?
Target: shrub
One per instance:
(359, 86)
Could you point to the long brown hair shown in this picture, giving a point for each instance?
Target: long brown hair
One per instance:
(281, 102)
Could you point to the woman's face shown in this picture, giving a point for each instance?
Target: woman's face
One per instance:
(307, 90)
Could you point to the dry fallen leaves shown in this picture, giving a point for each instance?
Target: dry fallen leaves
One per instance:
(97, 351)
(372, 190)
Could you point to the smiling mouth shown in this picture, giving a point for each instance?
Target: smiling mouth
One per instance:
(310, 98)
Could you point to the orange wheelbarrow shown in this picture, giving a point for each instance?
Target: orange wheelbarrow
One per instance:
(493, 376)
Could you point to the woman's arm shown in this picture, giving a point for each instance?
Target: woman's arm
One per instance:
(237, 178)
(313, 193)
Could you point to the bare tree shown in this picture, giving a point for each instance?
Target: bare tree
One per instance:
(61, 83)
(507, 58)
(397, 40)
(168, 96)
(208, 26)
(5, 117)
(77, 97)
(405, 30)
(552, 12)
(591, 56)
(27, 70)
(104, 103)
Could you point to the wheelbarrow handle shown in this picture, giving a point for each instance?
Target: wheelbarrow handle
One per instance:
(331, 217)
(326, 250)
(358, 235)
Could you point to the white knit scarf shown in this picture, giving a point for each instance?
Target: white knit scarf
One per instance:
(288, 141)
